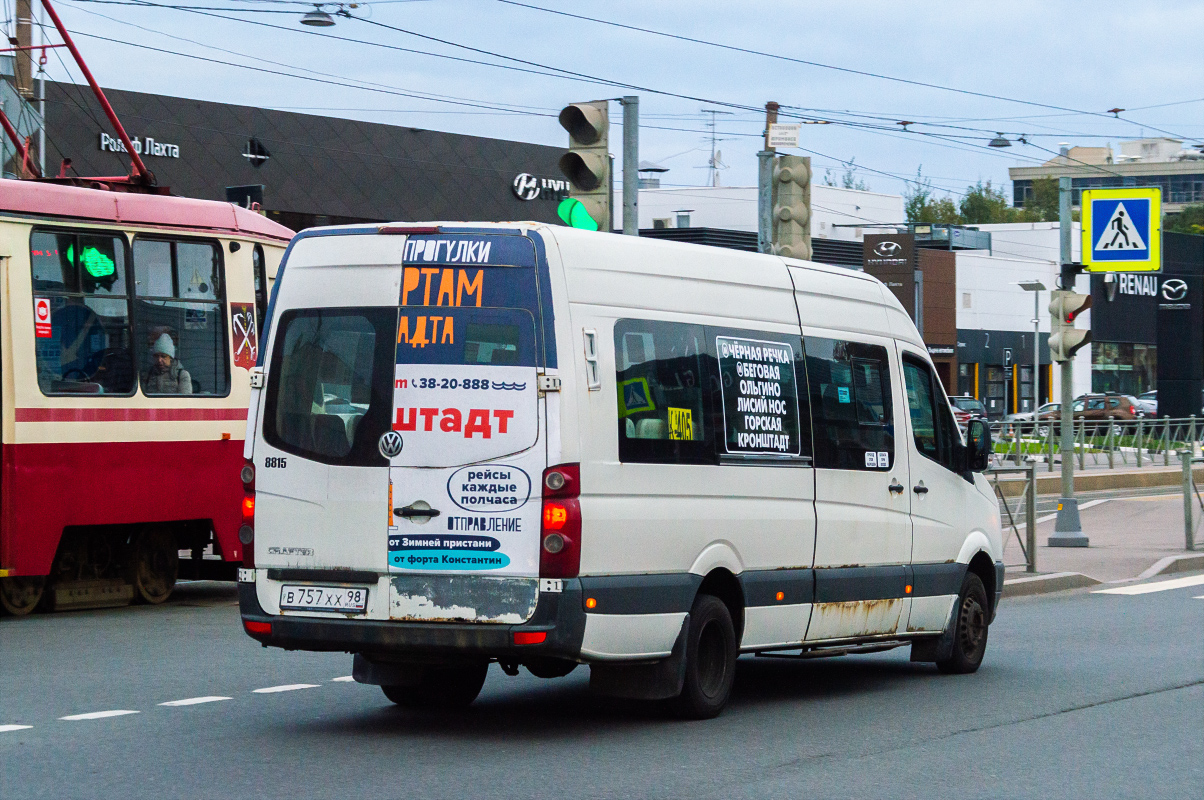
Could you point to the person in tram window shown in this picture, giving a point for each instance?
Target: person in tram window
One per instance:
(166, 375)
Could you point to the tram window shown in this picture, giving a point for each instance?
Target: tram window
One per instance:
(179, 319)
(86, 349)
(261, 285)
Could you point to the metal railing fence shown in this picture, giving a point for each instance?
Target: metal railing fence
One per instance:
(1111, 443)
(1026, 504)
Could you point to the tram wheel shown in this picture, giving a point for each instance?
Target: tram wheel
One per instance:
(21, 595)
(155, 565)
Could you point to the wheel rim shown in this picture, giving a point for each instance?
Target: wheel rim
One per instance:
(972, 626)
(156, 568)
(712, 659)
(21, 595)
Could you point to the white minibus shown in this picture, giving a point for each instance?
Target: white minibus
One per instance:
(544, 447)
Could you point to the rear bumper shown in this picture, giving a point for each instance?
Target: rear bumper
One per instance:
(560, 615)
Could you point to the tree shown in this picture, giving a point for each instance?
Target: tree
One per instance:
(983, 204)
(1042, 204)
(1189, 220)
(920, 204)
(848, 180)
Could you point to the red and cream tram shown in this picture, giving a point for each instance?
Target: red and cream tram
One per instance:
(128, 326)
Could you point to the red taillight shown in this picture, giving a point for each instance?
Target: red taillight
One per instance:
(530, 637)
(1132, 410)
(560, 528)
(257, 628)
(246, 531)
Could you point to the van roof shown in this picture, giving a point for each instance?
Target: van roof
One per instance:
(73, 202)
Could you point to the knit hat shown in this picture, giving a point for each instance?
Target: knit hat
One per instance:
(164, 345)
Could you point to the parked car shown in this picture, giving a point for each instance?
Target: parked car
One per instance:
(1098, 408)
(966, 408)
(1148, 402)
(1029, 416)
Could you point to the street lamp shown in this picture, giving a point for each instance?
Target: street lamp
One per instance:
(1036, 287)
(999, 141)
(317, 18)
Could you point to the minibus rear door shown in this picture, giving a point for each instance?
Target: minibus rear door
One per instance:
(468, 455)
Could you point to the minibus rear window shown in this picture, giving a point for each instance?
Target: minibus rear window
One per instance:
(330, 387)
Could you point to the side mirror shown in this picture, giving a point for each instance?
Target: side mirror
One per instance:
(978, 445)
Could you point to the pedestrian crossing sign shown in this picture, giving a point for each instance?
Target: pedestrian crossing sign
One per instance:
(1122, 230)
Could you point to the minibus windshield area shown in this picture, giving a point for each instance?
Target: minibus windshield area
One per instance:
(329, 392)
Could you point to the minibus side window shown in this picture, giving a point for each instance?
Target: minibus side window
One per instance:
(259, 268)
(852, 415)
(82, 341)
(330, 391)
(931, 429)
(662, 407)
(756, 395)
(179, 317)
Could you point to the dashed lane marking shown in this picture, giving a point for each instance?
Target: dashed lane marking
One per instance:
(1198, 597)
(195, 701)
(288, 687)
(1082, 507)
(1157, 586)
(7, 728)
(344, 679)
(98, 715)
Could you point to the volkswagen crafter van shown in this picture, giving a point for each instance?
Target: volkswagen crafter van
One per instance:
(546, 447)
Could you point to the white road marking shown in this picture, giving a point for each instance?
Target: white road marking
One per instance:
(290, 687)
(1157, 586)
(7, 728)
(98, 715)
(344, 679)
(1198, 597)
(195, 701)
(1082, 507)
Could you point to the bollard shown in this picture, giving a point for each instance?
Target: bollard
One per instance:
(1049, 446)
(1111, 442)
(1188, 526)
(1166, 443)
(1030, 518)
(1140, 431)
(1192, 434)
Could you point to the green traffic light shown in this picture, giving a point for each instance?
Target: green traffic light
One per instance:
(573, 212)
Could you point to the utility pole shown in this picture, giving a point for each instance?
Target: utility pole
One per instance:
(765, 185)
(631, 165)
(1068, 530)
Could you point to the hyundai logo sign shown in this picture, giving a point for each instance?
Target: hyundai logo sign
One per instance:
(528, 187)
(887, 249)
(525, 186)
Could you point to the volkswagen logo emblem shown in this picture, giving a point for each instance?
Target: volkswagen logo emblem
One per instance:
(887, 249)
(1174, 289)
(525, 186)
(390, 444)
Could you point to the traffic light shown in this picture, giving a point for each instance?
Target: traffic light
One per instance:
(587, 165)
(792, 207)
(1065, 340)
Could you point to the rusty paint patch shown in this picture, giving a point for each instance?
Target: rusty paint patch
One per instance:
(854, 619)
(462, 598)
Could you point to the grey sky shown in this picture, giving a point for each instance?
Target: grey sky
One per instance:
(1082, 55)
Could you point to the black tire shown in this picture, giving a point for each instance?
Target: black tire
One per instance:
(711, 651)
(21, 595)
(969, 629)
(547, 667)
(441, 687)
(154, 565)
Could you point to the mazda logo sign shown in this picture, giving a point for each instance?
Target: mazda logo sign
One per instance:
(887, 249)
(525, 186)
(390, 444)
(1174, 289)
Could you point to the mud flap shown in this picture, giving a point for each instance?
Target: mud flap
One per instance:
(660, 680)
(937, 648)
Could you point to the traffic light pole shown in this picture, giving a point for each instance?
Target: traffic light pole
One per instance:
(631, 165)
(1068, 530)
(765, 185)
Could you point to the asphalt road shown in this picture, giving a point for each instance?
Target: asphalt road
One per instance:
(1081, 695)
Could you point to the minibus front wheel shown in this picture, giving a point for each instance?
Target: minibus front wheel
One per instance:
(969, 628)
(441, 686)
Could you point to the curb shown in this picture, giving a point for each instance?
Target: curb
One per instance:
(1172, 564)
(1044, 584)
(1095, 481)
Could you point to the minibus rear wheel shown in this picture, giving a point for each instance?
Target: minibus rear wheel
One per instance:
(969, 629)
(441, 687)
(711, 652)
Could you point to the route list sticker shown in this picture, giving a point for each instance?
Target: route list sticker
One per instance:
(760, 399)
